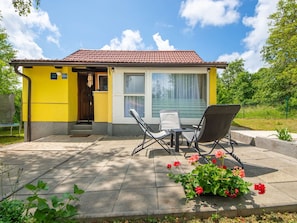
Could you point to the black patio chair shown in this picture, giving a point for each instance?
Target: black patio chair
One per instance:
(213, 127)
(149, 136)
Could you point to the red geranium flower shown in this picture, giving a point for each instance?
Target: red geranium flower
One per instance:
(260, 187)
(176, 163)
(193, 158)
(199, 190)
(219, 154)
(169, 166)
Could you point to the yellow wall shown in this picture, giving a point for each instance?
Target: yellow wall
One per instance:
(213, 86)
(103, 102)
(100, 106)
(110, 90)
(51, 100)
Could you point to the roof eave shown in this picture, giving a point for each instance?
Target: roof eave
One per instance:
(30, 63)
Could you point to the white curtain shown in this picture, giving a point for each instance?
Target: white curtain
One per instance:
(134, 93)
(183, 92)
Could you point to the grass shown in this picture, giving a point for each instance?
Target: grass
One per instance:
(266, 118)
(266, 124)
(215, 218)
(6, 138)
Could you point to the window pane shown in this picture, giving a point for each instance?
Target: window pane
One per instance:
(136, 102)
(134, 84)
(183, 92)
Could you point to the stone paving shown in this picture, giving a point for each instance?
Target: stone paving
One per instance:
(117, 184)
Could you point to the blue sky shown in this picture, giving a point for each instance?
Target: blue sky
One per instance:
(218, 30)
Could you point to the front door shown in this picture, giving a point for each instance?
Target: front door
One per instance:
(85, 97)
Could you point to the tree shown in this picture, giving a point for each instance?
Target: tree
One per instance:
(9, 80)
(23, 7)
(280, 51)
(235, 84)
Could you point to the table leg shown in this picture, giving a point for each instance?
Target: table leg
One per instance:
(177, 134)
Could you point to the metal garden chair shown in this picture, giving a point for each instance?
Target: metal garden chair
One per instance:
(149, 136)
(213, 127)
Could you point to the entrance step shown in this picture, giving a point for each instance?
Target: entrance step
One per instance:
(81, 129)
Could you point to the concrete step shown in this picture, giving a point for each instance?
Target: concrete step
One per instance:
(81, 132)
(82, 127)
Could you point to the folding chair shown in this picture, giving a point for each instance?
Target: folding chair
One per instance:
(213, 127)
(153, 137)
(169, 119)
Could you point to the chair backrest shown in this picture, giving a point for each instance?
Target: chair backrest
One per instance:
(169, 119)
(7, 109)
(139, 120)
(216, 122)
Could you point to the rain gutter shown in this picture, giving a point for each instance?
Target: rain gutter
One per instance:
(29, 102)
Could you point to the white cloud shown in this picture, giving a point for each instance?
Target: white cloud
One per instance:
(162, 44)
(209, 12)
(23, 31)
(255, 39)
(130, 40)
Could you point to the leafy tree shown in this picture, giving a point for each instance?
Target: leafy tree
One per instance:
(235, 84)
(263, 82)
(243, 88)
(280, 51)
(9, 80)
(23, 7)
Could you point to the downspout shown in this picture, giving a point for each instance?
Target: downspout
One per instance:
(29, 102)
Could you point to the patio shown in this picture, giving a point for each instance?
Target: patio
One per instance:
(117, 184)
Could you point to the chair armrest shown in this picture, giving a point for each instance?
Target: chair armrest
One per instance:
(197, 126)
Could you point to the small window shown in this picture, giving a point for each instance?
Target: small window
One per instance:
(54, 76)
(103, 83)
(134, 93)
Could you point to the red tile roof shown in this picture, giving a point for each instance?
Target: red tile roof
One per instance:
(120, 56)
(170, 58)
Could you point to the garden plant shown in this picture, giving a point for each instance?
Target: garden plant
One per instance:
(213, 178)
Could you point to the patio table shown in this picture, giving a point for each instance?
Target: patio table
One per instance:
(169, 121)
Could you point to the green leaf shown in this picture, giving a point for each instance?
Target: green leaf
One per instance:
(77, 190)
(30, 187)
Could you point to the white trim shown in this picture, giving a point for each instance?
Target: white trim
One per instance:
(118, 91)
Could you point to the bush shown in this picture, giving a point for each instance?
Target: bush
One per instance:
(11, 211)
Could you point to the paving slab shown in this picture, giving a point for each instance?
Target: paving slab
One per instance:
(117, 184)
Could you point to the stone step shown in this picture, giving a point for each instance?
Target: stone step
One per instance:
(82, 127)
(81, 132)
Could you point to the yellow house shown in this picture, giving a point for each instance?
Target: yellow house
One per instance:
(91, 91)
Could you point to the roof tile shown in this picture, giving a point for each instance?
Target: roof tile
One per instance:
(120, 56)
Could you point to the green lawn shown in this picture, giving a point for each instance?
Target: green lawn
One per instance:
(266, 124)
(6, 138)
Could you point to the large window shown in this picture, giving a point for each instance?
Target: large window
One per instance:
(183, 92)
(134, 93)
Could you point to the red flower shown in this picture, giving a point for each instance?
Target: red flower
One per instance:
(169, 166)
(214, 161)
(260, 187)
(199, 190)
(193, 158)
(176, 163)
(238, 171)
(219, 154)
